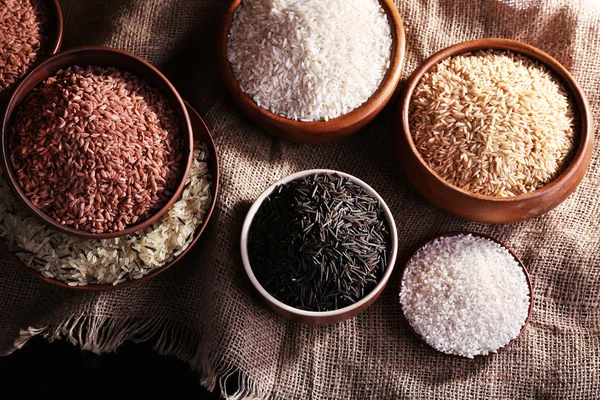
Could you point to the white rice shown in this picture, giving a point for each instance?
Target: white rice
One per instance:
(309, 60)
(465, 295)
(111, 261)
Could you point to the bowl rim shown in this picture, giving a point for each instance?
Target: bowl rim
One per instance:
(33, 77)
(59, 29)
(585, 125)
(519, 261)
(321, 314)
(213, 166)
(387, 87)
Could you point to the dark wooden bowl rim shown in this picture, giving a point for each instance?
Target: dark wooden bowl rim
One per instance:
(476, 234)
(57, 35)
(202, 134)
(37, 75)
(577, 95)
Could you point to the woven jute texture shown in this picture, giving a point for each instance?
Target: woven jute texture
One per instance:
(204, 312)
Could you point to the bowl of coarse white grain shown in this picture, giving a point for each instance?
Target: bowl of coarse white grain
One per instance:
(466, 294)
(311, 70)
(96, 143)
(30, 31)
(494, 131)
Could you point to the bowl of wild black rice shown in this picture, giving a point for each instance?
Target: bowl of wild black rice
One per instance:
(30, 31)
(97, 143)
(319, 246)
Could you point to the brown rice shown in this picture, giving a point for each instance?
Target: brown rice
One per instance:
(493, 123)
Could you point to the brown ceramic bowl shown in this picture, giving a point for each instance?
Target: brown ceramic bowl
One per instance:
(486, 208)
(318, 131)
(106, 57)
(318, 317)
(531, 297)
(202, 134)
(54, 35)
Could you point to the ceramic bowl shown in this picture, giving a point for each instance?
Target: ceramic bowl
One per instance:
(105, 57)
(490, 209)
(317, 131)
(202, 134)
(531, 297)
(54, 35)
(318, 317)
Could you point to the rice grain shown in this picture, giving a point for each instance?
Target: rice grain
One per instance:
(493, 123)
(96, 148)
(309, 60)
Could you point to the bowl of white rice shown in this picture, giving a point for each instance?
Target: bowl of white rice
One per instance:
(465, 294)
(311, 70)
(494, 131)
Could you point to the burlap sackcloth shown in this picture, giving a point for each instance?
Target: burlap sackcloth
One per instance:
(206, 314)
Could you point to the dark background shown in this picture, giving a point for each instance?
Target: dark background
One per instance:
(62, 369)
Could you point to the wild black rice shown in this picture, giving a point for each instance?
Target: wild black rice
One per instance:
(319, 243)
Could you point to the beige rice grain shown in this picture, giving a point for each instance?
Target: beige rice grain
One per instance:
(493, 123)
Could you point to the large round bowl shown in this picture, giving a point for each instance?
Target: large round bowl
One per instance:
(102, 56)
(529, 284)
(319, 317)
(490, 209)
(202, 134)
(317, 131)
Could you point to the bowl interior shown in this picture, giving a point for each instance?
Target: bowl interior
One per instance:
(103, 57)
(531, 297)
(373, 105)
(583, 125)
(288, 310)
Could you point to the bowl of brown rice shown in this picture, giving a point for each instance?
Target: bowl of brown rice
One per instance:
(494, 131)
(30, 31)
(97, 143)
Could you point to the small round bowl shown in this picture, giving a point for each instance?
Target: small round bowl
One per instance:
(449, 234)
(319, 317)
(317, 131)
(490, 209)
(105, 57)
(202, 134)
(54, 35)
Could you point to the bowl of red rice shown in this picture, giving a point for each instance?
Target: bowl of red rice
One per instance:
(30, 32)
(97, 143)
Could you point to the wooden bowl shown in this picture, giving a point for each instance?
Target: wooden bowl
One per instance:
(54, 35)
(105, 57)
(202, 134)
(55, 27)
(317, 131)
(490, 209)
(531, 299)
(318, 317)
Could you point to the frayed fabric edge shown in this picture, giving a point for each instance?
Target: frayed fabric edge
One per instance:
(105, 334)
